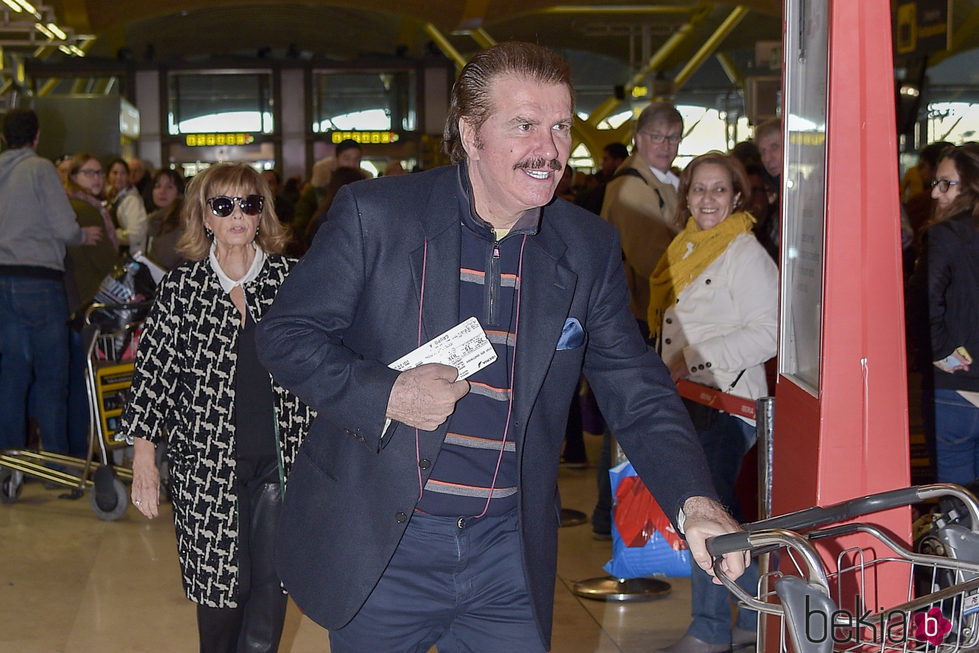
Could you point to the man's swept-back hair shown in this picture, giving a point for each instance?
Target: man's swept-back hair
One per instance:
(471, 93)
(20, 128)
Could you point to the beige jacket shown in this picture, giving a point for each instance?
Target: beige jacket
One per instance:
(642, 210)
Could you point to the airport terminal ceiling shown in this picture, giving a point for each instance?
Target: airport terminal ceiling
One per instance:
(608, 44)
(193, 29)
(606, 41)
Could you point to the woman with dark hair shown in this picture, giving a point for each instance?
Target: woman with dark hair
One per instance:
(87, 267)
(164, 229)
(231, 432)
(944, 303)
(713, 314)
(126, 207)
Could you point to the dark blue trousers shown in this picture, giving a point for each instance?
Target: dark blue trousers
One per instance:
(455, 583)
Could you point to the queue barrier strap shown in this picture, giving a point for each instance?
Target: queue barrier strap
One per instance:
(714, 398)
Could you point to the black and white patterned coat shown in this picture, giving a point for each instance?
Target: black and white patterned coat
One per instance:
(184, 386)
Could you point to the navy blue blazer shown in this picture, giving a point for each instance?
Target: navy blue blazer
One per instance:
(351, 306)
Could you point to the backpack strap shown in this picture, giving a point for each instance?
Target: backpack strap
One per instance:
(632, 172)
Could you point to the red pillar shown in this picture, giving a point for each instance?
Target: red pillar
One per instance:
(851, 437)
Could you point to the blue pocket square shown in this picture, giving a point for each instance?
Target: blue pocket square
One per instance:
(572, 335)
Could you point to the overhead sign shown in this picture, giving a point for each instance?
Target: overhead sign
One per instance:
(921, 27)
(365, 137)
(211, 140)
(128, 119)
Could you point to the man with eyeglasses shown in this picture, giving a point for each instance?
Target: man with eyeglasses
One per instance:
(36, 223)
(641, 199)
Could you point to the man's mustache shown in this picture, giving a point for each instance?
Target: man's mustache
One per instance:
(539, 162)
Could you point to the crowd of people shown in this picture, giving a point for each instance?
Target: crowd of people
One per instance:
(266, 355)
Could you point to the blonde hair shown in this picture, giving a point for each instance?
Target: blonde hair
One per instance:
(195, 243)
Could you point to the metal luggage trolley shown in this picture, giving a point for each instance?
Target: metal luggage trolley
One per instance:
(808, 595)
(108, 375)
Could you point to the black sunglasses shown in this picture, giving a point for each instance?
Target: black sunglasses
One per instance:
(223, 206)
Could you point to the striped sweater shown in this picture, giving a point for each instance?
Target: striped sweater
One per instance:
(476, 471)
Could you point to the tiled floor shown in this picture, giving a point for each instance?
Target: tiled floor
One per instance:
(72, 583)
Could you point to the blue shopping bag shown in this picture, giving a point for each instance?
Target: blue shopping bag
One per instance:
(644, 542)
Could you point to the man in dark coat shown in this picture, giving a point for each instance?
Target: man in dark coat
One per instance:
(423, 509)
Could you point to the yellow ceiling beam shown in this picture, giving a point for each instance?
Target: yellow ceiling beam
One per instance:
(710, 45)
(684, 32)
(730, 69)
(482, 37)
(595, 139)
(620, 9)
(443, 44)
(49, 85)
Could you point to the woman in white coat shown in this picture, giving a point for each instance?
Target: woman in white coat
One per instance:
(126, 207)
(713, 313)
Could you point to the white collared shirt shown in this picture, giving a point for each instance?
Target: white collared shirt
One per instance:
(227, 283)
(667, 177)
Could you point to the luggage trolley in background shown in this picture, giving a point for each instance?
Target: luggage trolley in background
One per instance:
(108, 375)
(813, 599)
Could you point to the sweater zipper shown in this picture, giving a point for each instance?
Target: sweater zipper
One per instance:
(493, 284)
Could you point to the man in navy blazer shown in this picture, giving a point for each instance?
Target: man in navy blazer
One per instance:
(423, 509)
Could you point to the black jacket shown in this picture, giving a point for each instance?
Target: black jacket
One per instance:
(944, 299)
(184, 384)
(351, 306)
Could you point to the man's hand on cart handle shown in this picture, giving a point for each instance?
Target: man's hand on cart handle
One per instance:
(146, 478)
(704, 518)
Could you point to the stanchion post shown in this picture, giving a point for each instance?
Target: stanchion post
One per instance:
(764, 424)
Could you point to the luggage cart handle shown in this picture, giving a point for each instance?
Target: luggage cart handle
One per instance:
(846, 510)
(783, 530)
(764, 539)
(818, 516)
(94, 307)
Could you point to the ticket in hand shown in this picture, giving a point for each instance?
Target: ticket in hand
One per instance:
(464, 347)
(960, 359)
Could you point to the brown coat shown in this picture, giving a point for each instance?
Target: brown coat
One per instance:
(642, 209)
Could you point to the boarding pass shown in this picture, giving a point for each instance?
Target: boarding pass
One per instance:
(464, 347)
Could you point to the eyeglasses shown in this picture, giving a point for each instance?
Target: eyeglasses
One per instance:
(88, 172)
(223, 206)
(943, 184)
(658, 138)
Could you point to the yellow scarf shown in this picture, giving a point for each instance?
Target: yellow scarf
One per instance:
(687, 256)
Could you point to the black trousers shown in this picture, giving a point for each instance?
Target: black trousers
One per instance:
(255, 626)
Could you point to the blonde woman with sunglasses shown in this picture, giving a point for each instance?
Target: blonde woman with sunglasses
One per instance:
(231, 432)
